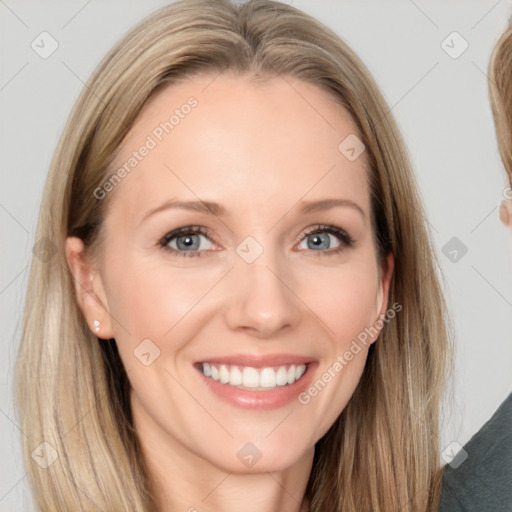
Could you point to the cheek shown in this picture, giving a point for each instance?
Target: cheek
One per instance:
(347, 303)
(346, 299)
(149, 299)
(168, 306)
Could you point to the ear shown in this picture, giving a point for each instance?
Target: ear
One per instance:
(506, 212)
(89, 289)
(385, 276)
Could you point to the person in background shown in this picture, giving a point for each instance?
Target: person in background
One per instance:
(483, 482)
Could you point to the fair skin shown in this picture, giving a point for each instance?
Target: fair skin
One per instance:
(258, 150)
(506, 210)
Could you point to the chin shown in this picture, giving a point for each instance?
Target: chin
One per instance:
(250, 458)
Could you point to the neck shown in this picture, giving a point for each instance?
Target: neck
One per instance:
(264, 492)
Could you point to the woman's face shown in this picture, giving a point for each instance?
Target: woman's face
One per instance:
(238, 244)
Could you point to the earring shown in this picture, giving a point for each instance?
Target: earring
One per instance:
(96, 325)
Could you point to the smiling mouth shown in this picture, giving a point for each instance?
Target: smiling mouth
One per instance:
(253, 379)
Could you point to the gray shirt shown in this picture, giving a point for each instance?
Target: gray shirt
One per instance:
(483, 481)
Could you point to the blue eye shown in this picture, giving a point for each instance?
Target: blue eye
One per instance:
(326, 240)
(188, 241)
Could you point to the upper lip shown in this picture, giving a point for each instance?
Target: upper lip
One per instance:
(259, 361)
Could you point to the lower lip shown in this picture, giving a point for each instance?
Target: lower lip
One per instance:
(263, 400)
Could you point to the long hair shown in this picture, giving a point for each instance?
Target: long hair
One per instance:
(382, 452)
(500, 89)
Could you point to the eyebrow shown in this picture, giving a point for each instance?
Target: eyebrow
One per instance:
(213, 208)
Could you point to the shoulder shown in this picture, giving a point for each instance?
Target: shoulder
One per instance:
(483, 480)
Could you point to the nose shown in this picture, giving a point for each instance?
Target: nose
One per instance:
(262, 301)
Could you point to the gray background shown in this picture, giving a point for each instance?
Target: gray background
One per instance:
(440, 102)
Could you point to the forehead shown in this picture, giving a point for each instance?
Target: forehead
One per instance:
(231, 138)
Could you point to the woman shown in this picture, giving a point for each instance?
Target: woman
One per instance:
(242, 311)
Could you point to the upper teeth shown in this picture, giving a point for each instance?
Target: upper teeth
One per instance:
(249, 377)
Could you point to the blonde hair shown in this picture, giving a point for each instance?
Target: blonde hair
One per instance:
(500, 89)
(382, 452)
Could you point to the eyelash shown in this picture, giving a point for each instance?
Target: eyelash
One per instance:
(346, 240)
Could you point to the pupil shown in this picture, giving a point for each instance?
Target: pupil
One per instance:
(320, 240)
(187, 242)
